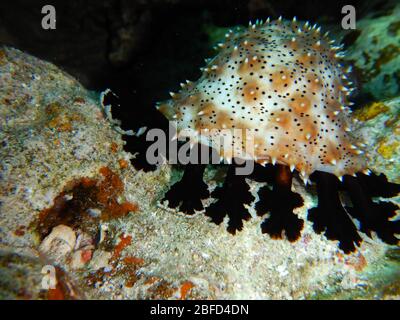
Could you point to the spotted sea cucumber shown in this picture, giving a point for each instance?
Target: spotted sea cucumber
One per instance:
(283, 82)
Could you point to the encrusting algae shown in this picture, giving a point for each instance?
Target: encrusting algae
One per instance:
(371, 111)
(78, 204)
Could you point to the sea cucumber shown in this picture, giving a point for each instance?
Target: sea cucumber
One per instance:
(283, 82)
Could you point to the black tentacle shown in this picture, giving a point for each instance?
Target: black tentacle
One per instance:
(231, 198)
(378, 186)
(189, 191)
(263, 173)
(329, 216)
(373, 216)
(280, 202)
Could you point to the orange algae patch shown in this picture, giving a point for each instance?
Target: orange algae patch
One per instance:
(110, 188)
(126, 267)
(163, 290)
(358, 262)
(131, 264)
(86, 256)
(63, 125)
(123, 164)
(59, 119)
(64, 289)
(55, 294)
(114, 147)
(361, 263)
(185, 288)
(75, 205)
(151, 280)
(122, 244)
(133, 260)
(20, 231)
(130, 282)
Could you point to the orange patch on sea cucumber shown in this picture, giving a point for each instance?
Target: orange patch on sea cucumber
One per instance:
(259, 146)
(208, 109)
(223, 121)
(307, 60)
(283, 119)
(281, 80)
(250, 64)
(332, 152)
(300, 104)
(315, 82)
(310, 128)
(251, 91)
(292, 44)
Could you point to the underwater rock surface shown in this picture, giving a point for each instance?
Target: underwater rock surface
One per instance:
(374, 49)
(68, 187)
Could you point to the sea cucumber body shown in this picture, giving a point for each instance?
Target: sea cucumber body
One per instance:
(283, 83)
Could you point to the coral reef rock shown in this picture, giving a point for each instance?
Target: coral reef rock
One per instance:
(61, 161)
(373, 48)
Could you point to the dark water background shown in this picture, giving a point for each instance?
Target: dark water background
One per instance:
(143, 49)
